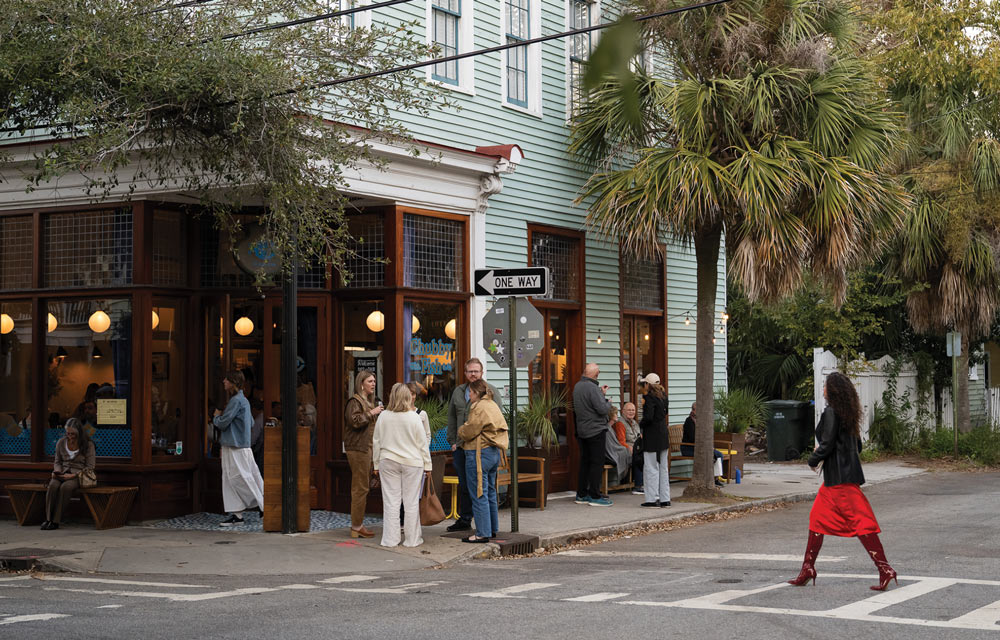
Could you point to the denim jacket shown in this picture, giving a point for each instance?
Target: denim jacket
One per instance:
(235, 422)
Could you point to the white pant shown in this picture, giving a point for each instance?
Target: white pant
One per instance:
(656, 476)
(242, 486)
(400, 484)
(718, 467)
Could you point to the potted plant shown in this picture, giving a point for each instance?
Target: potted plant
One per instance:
(737, 411)
(437, 417)
(536, 433)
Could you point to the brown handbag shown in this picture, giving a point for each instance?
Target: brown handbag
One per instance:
(431, 511)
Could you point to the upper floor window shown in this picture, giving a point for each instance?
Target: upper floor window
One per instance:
(518, 29)
(642, 283)
(562, 255)
(581, 15)
(446, 17)
(16, 254)
(433, 253)
(88, 249)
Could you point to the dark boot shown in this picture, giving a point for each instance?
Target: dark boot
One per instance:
(813, 545)
(874, 548)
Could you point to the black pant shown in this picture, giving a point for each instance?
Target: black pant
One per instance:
(591, 466)
(688, 450)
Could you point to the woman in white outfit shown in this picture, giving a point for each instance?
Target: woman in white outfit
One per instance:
(401, 456)
(242, 485)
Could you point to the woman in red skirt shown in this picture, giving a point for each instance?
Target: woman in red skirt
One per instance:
(840, 509)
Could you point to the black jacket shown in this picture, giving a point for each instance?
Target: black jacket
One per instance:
(655, 436)
(838, 449)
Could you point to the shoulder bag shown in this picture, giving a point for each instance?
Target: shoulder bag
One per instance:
(431, 511)
(88, 479)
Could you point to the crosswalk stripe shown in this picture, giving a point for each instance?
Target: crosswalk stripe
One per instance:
(596, 597)
(34, 617)
(350, 578)
(508, 592)
(888, 598)
(134, 583)
(403, 588)
(753, 557)
(988, 615)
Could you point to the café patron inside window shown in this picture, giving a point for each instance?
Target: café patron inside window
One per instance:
(89, 360)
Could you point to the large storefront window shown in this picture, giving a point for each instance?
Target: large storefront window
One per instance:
(89, 346)
(15, 378)
(431, 347)
(169, 378)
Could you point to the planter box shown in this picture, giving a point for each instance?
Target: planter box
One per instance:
(735, 442)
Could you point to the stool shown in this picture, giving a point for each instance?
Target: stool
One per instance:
(453, 481)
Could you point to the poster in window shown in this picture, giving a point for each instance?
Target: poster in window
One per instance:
(161, 365)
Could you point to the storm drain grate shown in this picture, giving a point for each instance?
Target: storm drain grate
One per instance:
(729, 581)
(516, 544)
(25, 558)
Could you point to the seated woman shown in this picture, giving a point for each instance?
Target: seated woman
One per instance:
(74, 453)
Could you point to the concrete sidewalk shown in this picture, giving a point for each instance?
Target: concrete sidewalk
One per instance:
(146, 550)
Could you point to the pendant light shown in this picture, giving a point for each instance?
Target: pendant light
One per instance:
(414, 325)
(52, 323)
(96, 353)
(7, 323)
(244, 326)
(99, 321)
(156, 319)
(375, 321)
(451, 328)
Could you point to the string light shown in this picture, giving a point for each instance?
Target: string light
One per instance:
(599, 340)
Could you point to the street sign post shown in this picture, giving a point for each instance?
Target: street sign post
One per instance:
(513, 334)
(953, 347)
(525, 281)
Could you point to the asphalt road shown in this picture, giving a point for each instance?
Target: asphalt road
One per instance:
(719, 580)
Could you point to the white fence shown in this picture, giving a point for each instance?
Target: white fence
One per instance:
(871, 380)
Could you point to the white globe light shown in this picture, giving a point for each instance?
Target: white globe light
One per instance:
(99, 321)
(6, 323)
(375, 321)
(156, 320)
(451, 328)
(244, 326)
(52, 323)
(415, 325)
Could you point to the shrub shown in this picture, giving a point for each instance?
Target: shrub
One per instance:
(889, 432)
(740, 410)
(981, 445)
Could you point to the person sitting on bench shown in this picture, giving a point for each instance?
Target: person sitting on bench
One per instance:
(688, 449)
(74, 453)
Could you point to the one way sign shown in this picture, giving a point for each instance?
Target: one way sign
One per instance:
(527, 281)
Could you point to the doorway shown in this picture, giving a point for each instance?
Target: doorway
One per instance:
(641, 353)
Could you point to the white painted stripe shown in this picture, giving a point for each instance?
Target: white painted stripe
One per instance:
(299, 586)
(988, 615)
(508, 592)
(721, 597)
(133, 583)
(34, 617)
(596, 597)
(110, 606)
(403, 588)
(350, 578)
(908, 578)
(888, 598)
(754, 557)
(172, 597)
(13, 578)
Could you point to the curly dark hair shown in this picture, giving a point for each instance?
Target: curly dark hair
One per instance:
(842, 397)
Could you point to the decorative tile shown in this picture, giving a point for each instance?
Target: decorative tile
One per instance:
(204, 521)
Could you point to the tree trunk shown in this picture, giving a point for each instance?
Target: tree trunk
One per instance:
(706, 249)
(964, 423)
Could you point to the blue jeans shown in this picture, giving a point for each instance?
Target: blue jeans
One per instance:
(484, 507)
(464, 504)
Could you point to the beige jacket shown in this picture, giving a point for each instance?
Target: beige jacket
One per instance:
(485, 427)
(82, 460)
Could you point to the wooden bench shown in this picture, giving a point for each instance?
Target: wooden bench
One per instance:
(628, 484)
(681, 467)
(503, 480)
(109, 506)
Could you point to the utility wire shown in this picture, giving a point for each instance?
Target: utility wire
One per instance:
(179, 5)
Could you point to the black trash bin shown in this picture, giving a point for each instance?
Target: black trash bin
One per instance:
(789, 429)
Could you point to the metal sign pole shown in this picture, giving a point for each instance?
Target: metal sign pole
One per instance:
(956, 346)
(512, 423)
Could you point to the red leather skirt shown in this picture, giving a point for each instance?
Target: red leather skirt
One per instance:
(842, 511)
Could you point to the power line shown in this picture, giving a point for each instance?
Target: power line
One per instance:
(502, 47)
(179, 5)
(300, 21)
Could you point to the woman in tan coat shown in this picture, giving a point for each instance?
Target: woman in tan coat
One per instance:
(359, 423)
(485, 432)
(74, 453)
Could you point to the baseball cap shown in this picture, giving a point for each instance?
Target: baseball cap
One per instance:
(651, 378)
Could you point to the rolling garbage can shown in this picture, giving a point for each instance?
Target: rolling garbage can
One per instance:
(789, 429)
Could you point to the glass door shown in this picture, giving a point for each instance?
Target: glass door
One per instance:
(641, 340)
(551, 373)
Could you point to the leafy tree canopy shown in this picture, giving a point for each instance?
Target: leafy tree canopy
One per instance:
(136, 91)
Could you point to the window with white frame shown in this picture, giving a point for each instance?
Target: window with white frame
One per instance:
(446, 16)
(517, 29)
(581, 15)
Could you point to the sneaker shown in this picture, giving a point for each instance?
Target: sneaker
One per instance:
(231, 521)
(601, 502)
(665, 504)
(583, 499)
(460, 525)
(638, 492)
(650, 504)
(718, 483)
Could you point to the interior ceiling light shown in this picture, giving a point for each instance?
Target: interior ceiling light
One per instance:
(375, 321)
(244, 326)
(451, 329)
(414, 325)
(99, 322)
(156, 319)
(52, 323)
(7, 324)
(96, 353)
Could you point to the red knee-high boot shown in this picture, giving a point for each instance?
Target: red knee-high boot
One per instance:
(885, 573)
(814, 544)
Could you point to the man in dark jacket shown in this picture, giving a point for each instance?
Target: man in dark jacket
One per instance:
(590, 408)
(688, 449)
(458, 409)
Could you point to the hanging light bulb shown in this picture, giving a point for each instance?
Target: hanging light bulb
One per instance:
(61, 353)
(244, 326)
(414, 324)
(52, 323)
(96, 353)
(646, 337)
(725, 317)
(599, 340)
(375, 321)
(99, 321)
(156, 319)
(551, 332)
(687, 320)
(6, 323)
(451, 329)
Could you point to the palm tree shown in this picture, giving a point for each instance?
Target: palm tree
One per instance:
(944, 81)
(764, 127)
